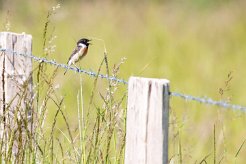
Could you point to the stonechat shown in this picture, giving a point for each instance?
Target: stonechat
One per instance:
(79, 52)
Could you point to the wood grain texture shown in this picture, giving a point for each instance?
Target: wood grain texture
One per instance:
(15, 80)
(147, 121)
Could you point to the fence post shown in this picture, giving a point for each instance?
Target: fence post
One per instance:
(15, 88)
(147, 121)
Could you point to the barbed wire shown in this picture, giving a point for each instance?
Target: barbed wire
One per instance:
(209, 101)
(65, 66)
(203, 100)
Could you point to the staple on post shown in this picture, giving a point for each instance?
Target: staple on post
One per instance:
(147, 121)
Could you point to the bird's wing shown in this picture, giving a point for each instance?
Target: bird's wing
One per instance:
(76, 50)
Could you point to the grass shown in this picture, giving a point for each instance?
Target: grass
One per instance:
(98, 138)
(198, 46)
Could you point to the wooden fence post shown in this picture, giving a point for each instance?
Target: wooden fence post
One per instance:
(147, 121)
(16, 95)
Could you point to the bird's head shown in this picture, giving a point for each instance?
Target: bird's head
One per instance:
(84, 41)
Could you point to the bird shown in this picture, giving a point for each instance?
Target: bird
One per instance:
(79, 52)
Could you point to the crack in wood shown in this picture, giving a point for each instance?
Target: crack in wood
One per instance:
(3, 89)
(147, 120)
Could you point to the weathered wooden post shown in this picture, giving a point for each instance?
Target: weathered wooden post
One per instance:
(15, 89)
(147, 121)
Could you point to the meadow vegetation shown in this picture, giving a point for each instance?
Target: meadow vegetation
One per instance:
(199, 46)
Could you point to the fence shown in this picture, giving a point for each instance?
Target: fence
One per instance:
(148, 99)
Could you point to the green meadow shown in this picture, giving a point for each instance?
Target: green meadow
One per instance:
(198, 45)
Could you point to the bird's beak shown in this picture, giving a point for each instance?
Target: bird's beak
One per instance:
(89, 42)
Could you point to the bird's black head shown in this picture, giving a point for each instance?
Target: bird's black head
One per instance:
(84, 41)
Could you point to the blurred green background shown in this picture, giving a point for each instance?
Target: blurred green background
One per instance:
(194, 43)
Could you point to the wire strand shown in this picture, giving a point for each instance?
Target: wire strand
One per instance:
(53, 62)
(208, 101)
(186, 97)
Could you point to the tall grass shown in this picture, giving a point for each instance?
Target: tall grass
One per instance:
(100, 129)
(83, 121)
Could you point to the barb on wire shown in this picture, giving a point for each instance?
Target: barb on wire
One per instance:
(52, 62)
(93, 74)
(209, 101)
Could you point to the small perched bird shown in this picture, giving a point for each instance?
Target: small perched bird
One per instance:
(79, 52)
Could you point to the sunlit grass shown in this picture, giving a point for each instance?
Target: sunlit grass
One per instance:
(194, 47)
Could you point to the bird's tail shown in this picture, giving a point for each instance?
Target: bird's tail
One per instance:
(67, 68)
(65, 72)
